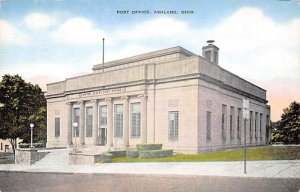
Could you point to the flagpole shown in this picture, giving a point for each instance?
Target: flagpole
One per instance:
(103, 55)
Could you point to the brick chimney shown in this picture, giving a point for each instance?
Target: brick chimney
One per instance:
(211, 52)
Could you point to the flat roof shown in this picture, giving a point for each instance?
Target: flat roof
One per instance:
(145, 56)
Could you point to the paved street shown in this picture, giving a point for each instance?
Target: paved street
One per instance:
(25, 182)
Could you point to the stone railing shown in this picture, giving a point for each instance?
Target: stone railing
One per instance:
(26, 156)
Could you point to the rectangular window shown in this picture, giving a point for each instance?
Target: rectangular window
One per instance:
(208, 125)
(239, 120)
(57, 126)
(103, 115)
(267, 127)
(231, 122)
(89, 121)
(118, 123)
(260, 125)
(224, 114)
(255, 125)
(76, 118)
(251, 124)
(135, 119)
(173, 125)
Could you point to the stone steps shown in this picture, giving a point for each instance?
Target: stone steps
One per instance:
(55, 157)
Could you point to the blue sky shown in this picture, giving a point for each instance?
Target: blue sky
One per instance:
(50, 40)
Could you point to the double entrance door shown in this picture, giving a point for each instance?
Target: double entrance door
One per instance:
(102, 136)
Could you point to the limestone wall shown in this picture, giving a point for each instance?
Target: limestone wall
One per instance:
(26, 156)
(211, 99)
(229, 78)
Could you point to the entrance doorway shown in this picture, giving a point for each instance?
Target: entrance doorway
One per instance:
(102, 135)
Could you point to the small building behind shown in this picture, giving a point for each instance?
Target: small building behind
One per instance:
(6, 147)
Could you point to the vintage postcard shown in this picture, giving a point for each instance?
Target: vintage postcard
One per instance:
(144, 95)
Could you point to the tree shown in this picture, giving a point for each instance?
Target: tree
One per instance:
(287, 130)
(23, 103)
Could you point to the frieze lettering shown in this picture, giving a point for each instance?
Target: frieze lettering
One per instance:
(102, 92)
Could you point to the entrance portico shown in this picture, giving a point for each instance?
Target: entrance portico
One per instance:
(110, 124)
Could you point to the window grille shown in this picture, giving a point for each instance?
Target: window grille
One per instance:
(89, 122)
(57, 126)
(118, 123)
(135, 120)
(173, 125)
(208, 126)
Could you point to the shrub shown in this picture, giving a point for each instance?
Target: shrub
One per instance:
(118, 153)
(39, 145)
(24, 145)
(35, 145)
(132, 154)
(106, 157)
(155, 154)
(143, 147)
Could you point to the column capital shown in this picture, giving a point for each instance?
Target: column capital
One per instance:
(94, 101)
(80, 102)
(125, 98)
(69, 103)
(143, 96)
(109, 99)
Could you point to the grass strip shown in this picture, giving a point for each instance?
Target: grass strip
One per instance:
(253, 153)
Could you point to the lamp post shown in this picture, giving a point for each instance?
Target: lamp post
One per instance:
(31, 129)
(246, 117)
(75, 125)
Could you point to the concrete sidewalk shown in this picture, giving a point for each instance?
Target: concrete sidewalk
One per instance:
(57, 162)
(278, 169)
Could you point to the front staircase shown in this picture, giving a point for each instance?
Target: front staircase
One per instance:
(54, 158)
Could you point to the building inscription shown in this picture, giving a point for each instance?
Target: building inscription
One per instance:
(102, 92)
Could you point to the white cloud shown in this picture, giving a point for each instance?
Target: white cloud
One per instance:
(80, 31)
(114, 53)
(10, 35)
(39, 21)
(45, 72)
(130, 50)
(160, 27)
(257, 48)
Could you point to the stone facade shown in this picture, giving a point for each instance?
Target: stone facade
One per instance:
(172, 96)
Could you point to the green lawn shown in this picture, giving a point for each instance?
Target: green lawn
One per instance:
(7, 158)
(253, 153)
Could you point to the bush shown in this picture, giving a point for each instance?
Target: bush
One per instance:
(35, 145)
(24, 145)
(106, 157)
(39, 145)
(132, 154)
(155, 154)
(143, 147)
(118, 153)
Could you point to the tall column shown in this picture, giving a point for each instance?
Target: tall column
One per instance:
(82, 122)
(69, 122)
(143, 118)
(109, 122)
(95, 121)
(126, 121)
